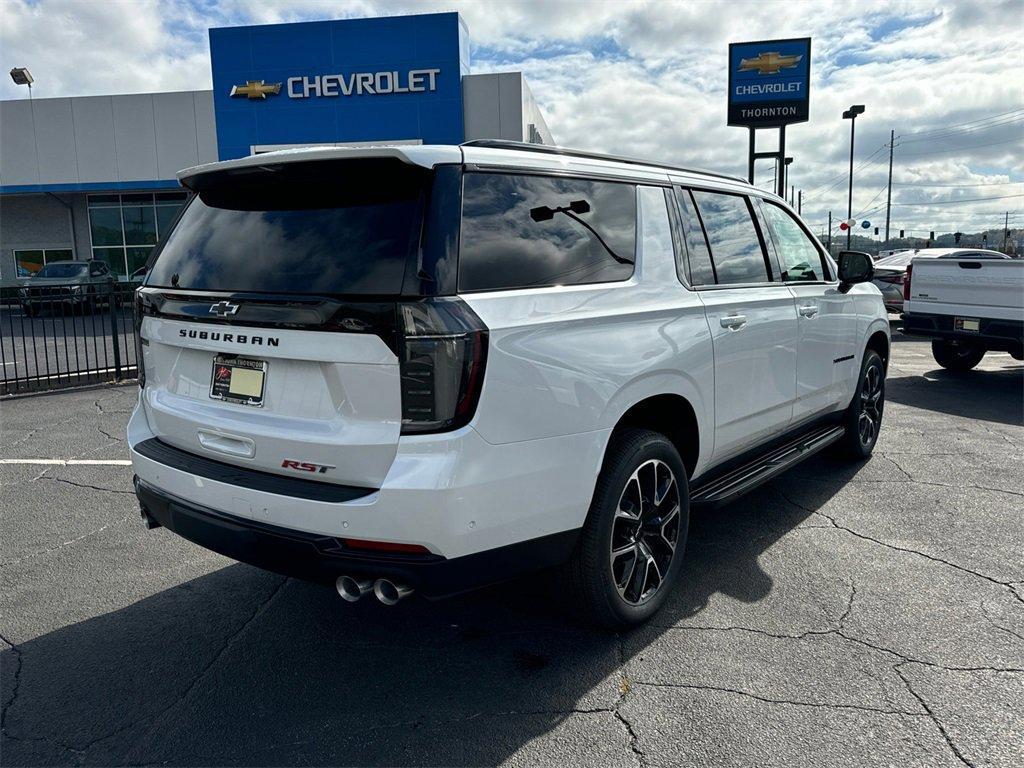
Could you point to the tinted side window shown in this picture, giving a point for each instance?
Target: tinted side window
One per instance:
(526, 231)
(735, 246)
(800, 258)
(702, 271)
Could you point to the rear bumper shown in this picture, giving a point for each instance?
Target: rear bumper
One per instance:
(454, 494)
(323, 558)
(993, 335)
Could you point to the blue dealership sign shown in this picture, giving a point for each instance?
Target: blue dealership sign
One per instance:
(325, 82)
(769, 82)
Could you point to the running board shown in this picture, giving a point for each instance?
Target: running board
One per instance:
(725, 488)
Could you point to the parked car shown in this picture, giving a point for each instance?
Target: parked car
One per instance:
(517, 357)
(62, 284)
(968, 305)
(890, 270)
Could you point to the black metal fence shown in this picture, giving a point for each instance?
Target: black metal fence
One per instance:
(57, 336)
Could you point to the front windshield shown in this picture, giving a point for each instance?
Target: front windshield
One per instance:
(63, 270)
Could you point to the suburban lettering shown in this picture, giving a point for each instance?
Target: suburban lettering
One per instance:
(268, 341)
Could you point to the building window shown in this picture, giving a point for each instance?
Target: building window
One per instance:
(125, 228)
(32, 260)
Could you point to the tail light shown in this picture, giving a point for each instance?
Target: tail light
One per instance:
(894, 278)
(442, 354)
(906, 282)
(139, 314)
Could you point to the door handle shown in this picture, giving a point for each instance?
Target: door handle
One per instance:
(733, 322)
(809, 310)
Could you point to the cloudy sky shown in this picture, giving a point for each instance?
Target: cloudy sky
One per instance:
(649, 79)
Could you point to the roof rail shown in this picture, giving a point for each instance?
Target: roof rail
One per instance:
(553, 150)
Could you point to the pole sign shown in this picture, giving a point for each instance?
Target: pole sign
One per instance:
(769, 82)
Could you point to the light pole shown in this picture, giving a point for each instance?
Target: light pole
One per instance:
(851, 115)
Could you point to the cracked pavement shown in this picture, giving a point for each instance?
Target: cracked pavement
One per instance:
(840, 615)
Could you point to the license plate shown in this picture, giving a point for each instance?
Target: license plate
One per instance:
(238, 380)
(967, 324)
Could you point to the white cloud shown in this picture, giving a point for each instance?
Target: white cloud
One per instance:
(649, 79)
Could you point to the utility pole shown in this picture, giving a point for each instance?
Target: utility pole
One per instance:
(792, 195)
(888, 197)
(1006, 230)
(799, 202)
(830, 233)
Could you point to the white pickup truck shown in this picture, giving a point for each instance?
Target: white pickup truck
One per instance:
(968, 306)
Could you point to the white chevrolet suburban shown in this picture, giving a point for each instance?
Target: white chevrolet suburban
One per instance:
(429, 368)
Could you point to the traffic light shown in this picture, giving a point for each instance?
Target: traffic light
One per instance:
(984, 237)
(931, 235)
(901, 234)
(957, 236)
(876, 230)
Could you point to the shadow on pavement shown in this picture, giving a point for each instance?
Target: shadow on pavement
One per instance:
(243, 667)
(996, 396)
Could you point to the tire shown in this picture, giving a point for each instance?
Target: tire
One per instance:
(863, 417)
(639, 465)
(956, 357)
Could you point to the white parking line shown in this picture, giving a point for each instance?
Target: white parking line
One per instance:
(68, 462)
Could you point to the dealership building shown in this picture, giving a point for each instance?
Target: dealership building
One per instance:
(94, 176)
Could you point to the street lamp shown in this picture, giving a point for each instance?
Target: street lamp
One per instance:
(786, 162)
(851, 115)
(21, 76)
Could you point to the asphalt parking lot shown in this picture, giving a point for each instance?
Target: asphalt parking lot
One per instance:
(841, 615)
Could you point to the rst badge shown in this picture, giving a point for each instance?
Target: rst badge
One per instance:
(306, 466)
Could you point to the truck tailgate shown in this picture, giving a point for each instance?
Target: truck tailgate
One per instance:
(986, 288)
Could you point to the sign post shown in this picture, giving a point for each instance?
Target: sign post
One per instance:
(769, 87)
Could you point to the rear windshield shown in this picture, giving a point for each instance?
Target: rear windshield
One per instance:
(63, 270)
(338, 227)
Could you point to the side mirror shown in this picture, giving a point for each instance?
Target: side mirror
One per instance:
(855, 267)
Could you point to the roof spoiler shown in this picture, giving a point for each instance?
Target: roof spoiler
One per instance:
(424, 156)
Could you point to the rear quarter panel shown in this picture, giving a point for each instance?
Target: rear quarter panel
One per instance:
(569, 360)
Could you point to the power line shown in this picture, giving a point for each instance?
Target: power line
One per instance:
(884, 187)
(966, 122)
(969, 131)
(963, 149)
(837, 180)
(951, 186)
(958, 202)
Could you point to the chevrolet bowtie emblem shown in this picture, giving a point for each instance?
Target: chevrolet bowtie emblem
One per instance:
(768, 63)
(256, 89)
(223, 308)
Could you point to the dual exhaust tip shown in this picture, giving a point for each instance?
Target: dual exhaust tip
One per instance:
(385, 590)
